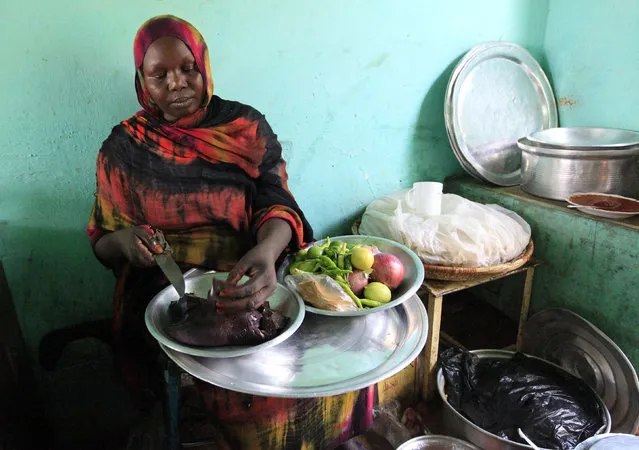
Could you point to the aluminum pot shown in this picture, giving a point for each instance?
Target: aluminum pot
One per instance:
(558, 162)
(458, 425)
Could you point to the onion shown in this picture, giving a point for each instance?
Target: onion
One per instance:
(357, 280)
(388, 269)
(372, 248)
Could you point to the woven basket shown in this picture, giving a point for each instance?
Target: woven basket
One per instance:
(454, 273)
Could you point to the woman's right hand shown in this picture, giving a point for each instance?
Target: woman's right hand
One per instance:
(135, 245)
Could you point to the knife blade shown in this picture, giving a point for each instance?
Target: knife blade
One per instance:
(171, 271)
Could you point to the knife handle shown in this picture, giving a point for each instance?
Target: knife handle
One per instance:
(157, 241)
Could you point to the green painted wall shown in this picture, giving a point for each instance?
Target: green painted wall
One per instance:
(592, 53)
(354, 89)
(589, 265)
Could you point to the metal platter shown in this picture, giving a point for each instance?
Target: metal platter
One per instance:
(326, 356)
(413, 275)
(436, 442)
(156, 316)
(566, 339)
(497, 94)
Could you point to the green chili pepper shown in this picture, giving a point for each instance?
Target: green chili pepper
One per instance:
(370, 303)
(301, 255)
(330, 252)
(328, 262)
(340, 261)
(307, 266)
(344, 284)
(315, 251)
(348, 265)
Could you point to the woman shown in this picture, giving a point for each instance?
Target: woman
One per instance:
(209, 174)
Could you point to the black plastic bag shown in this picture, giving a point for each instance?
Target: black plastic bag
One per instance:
(553, 408)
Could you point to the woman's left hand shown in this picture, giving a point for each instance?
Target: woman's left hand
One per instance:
(259, 265)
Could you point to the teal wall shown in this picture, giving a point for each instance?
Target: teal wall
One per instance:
(592, 52)
(354, 89)
(589, 266)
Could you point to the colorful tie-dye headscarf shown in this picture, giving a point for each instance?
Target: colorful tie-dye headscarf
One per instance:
(164, 26)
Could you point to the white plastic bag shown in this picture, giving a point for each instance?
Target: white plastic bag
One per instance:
(466, 233)
(320, 291)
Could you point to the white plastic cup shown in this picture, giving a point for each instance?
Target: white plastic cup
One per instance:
(426, 198)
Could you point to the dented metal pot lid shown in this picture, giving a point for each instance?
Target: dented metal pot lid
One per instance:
(566, 339)
(497, 94)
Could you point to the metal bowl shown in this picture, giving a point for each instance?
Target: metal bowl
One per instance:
(156, 316)
(585, 137)
(561, 161)
(436, 442)
(458, 425)
(413, 276)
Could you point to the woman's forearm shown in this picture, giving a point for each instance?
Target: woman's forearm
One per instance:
(107, 250)
(274, 236)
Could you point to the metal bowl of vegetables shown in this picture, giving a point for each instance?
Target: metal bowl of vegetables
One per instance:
(394, 266)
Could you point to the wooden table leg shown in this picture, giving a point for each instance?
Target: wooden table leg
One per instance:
(172, 377)
(431, 351)
(525, 305)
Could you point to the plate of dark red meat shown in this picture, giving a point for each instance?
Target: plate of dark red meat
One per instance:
(196, 324)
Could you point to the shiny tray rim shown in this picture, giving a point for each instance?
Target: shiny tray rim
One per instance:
(225, 351)
(538, 141)
(188, 362)
(417, 443)
(542, 85)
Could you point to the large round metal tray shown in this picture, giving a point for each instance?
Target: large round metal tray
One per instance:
(413, 276)
(436, 442)
(497, 94)
(568, 340)
(156, 316)
(326, 356)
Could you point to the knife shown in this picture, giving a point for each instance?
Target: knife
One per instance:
(166, 262)
(171, 271)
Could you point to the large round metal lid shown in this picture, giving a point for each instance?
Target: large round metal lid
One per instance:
(496, 95)
(566, 339)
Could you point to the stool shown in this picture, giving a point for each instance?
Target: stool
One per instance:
(436, 290)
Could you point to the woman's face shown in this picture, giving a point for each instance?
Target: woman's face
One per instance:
(172, 78)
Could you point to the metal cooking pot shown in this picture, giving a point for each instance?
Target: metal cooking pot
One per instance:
(458, 425)
(558, 162)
